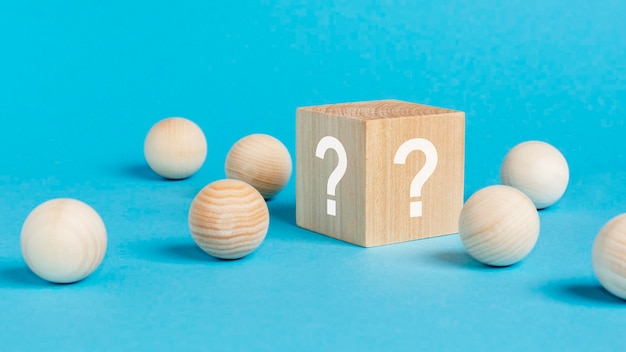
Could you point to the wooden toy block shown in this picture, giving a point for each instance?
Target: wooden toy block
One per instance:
(379, 172)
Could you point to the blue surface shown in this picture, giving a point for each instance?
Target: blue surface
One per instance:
(81, 84)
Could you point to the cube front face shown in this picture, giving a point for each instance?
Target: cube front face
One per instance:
(415, 172)
(403, 176)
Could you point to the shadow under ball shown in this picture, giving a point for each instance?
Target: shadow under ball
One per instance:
(499, 225)
(609, 256)
(538, 169)
(262, 161)
(228, 219)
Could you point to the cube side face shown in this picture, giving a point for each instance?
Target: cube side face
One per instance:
(414, 177)
(329, 178)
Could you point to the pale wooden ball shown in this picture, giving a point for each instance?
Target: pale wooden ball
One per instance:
(261, 161)
(63, 240)
(609, 256)
(538, 169)
(228, 219)
(499, 225)
(175, 148)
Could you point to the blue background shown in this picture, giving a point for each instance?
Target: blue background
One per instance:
(82, 82)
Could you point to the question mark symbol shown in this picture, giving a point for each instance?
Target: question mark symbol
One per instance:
(323, 145)
(422, 176)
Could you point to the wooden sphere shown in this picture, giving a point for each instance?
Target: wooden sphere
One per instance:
(175, 148)
(63, 240)
(499, 225)
(609, 256)
(228, 219)
(261, 161)
(537, 169)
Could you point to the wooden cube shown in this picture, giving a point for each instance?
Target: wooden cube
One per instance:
(379, 172)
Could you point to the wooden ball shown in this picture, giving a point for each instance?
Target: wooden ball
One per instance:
(499, 225)
(609, 256)
(261, 161)
(175, 148)
(228, 219)
(537, 169)
(63, 240)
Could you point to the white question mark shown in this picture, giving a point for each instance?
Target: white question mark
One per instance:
(323, 145)
(422, 176)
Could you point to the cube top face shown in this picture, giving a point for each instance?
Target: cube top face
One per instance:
(379, 176)
(379, 109)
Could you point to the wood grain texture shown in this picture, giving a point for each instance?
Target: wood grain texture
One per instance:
(499, 225)
(175, 148)
(380, 109)
(228, 219)
(373, 197)
(609, 256)
(63, 240)
(262, 161)
(538, 169)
